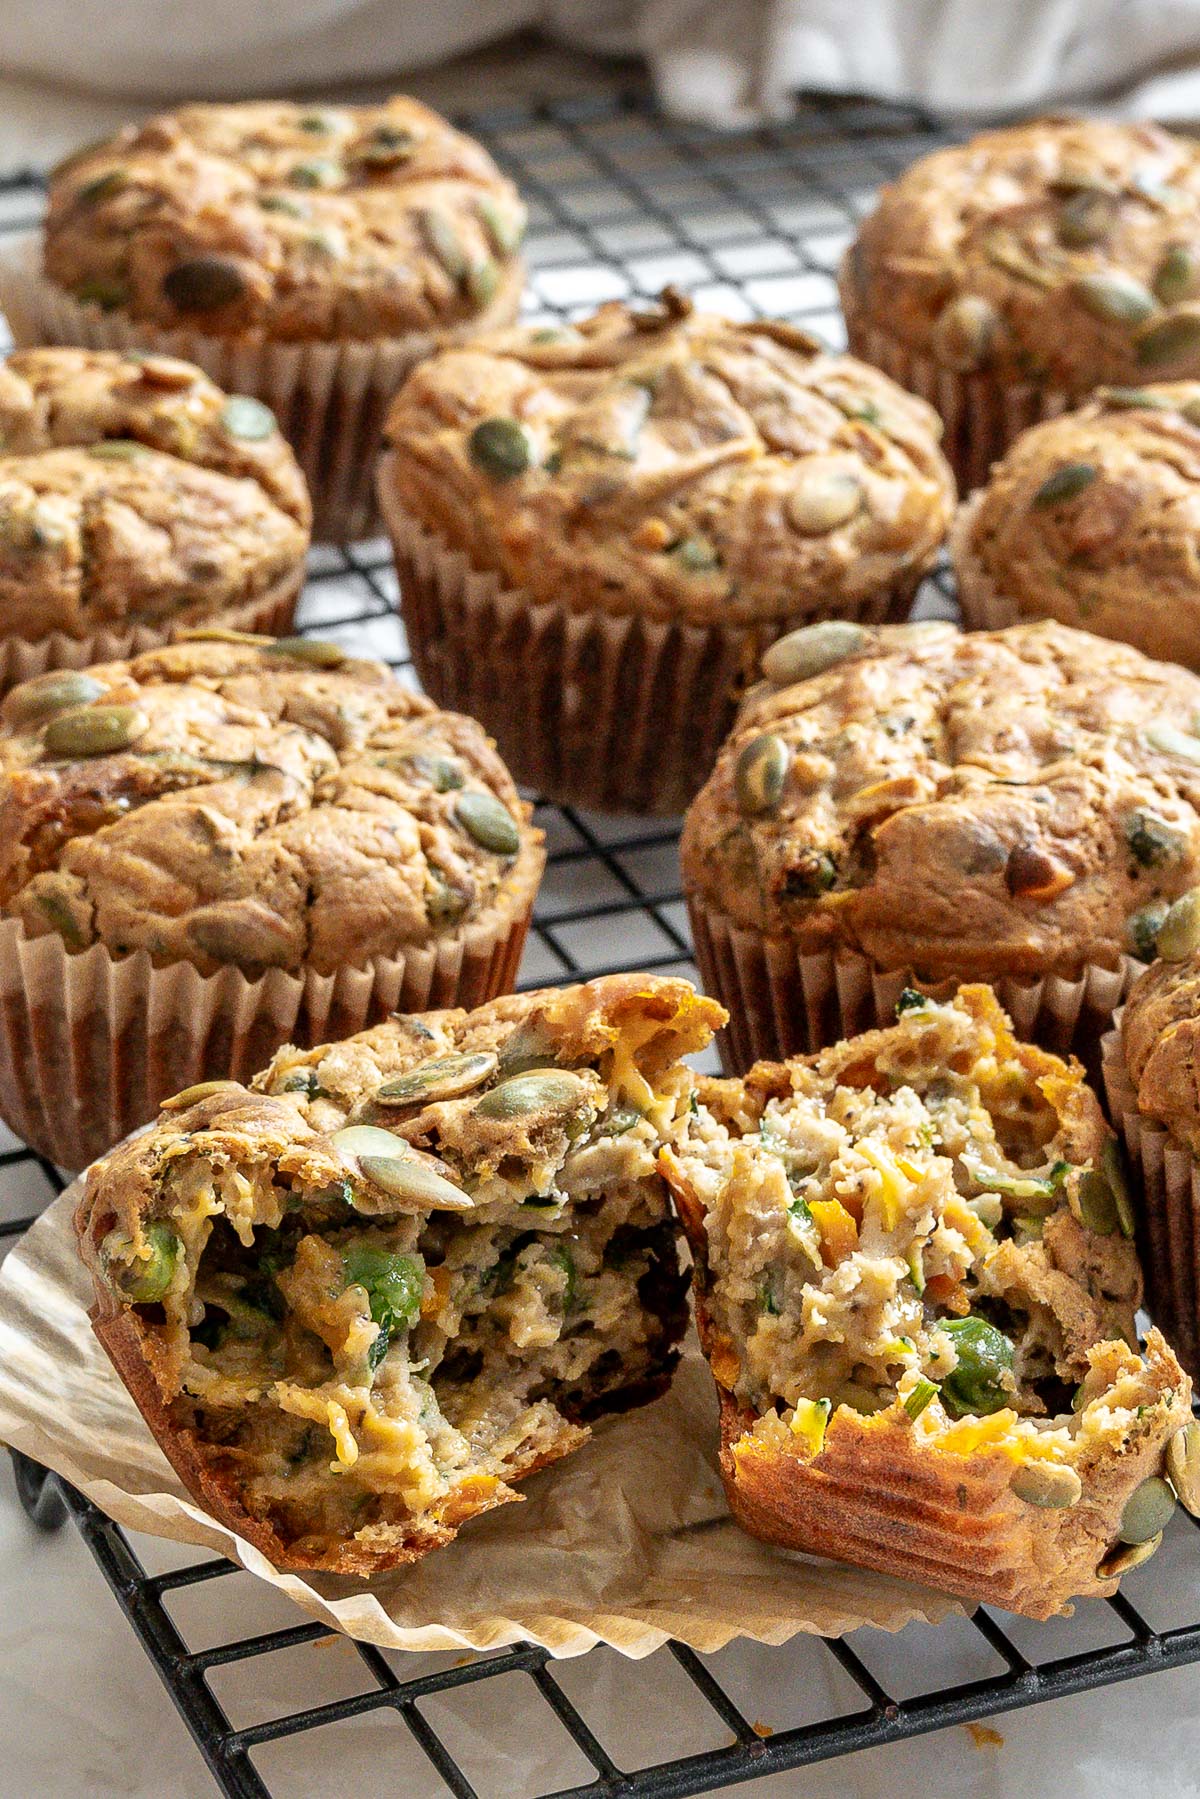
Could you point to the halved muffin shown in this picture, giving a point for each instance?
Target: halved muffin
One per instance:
(358, 1302)
(916, 1290)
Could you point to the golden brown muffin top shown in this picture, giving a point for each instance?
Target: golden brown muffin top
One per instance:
(1092, 518)
(1012, 802)
(1160, 1038)
(671, 463)
(1062, 251)
(287, 220)
(132, 489)
(272, 805)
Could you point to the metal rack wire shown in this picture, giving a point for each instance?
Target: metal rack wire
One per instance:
(621, 202)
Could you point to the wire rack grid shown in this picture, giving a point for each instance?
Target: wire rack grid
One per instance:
(621, 202)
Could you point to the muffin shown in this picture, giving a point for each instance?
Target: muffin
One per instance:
(222, 846)
(1151, 1073)
(916, 1292)
(924, 807)
(135, 498)
(1092, 519)
(597, 528)
(359, 1303)
(305, 255)
(1005, 278)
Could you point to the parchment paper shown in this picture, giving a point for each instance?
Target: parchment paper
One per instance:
(627, 1542)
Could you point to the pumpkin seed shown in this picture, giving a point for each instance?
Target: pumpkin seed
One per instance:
(441, 234)
(102, 187)
(487, 820)
(407, 1179)
(224, 634)
(1112, 1166)
(116, 449)
(821, 499)
(483, 278)
(502, 448)
(442, 1077)
(1143, 926)
(505, 230)
(1179, 933)
(811, 649)
(1147, 1511)
(292, 209)
(1114, 297)
(1065, 483)
(58, 912)
(29, 705)
(442, 775)
(1075, 177)
(760, 773)
(1183, 1466)
(529, 1046)
(1176, 339)
(1191, 411)
(246, 418)
(318, 652)
(204, 284)
(1173, 742)
(368, 1140)
(697, 554)
(322, 171)
(105, 291)
(1178, 275)
(554, 1090)
(1127, 399)
(444, 903)
(1152, 841)
(812, 873)
(314, 122)
(1127, 1556)
(1086, 218)
(966, 331)
(1097, 1207)
(1051, 1485)
(142, 1280)
(94, 731)
(191, 1096)
(386, 146)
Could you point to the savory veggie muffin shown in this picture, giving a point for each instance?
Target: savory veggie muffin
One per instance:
(1092, 519)
(916, 1291)
(226, 844)
(1005, 278)
(136, 497)
(316, 251)
(597, 528)
(912, 806)
(359, 1303)
(1151, 1073)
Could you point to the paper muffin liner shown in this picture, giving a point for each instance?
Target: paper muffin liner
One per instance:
(625, 714)
(783, 1001)
(330, 399)
(980, 413)
(91, 1043)
(1168, 1218)
(270, 614)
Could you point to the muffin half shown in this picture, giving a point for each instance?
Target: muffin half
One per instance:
(911, 806)
(916, 1291)
(221, 846)
(360, 1302)
(1005, 278)
(598, 529)
(304, 254)
(135, 499)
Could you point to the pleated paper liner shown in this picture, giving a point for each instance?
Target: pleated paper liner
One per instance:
(625, 714)
(981, 415)
(1168, 1217)
(90, 1044)
(785, 1002)
(270, 614)
(330, 398)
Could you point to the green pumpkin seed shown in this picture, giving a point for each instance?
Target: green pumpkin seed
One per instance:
(1173, 742)
(483, 278)
(822, 498)
(94, 731)
(966, 332)
(204, 284)
(57, 909)
(105, 291)
(441, 234)
(116, 449)
(246, 418)
(318, 652)
(697, 554)
(368, 1140)
(1152, 842)
(1051, 1485)
(760, 773)
(442, 775)
(1112, 1166)
(487, 820)
(555, 1090)
(442, 1077)
(1183, 1466)
(1128, 399)
(405, 1179)
(1176, 339)
(1142, 928)
(1147, 1511)
(292, 209)
(1097, 1206)
(1126, 1557)
(321, 171)
(1179, 932)
(314, 122)
(386, 146)
(502, 448)
(191, 1096)
(445, 904)
(504, 229)
(1086, 218)
(1116, 298)
(812, 649)
(529, 1046)
(29, 705)
(142, 1279)
(102, 187)
(1065, 483)
(1178, 275)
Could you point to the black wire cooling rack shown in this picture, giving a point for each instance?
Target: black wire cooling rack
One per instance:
(621, 202)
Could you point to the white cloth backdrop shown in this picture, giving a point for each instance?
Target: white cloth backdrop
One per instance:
(70, 67)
